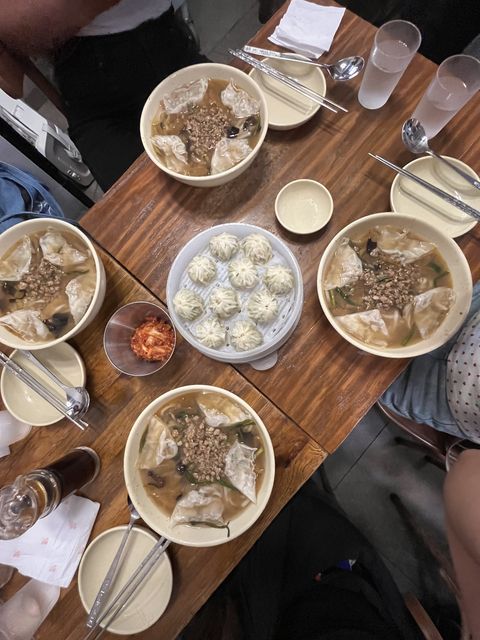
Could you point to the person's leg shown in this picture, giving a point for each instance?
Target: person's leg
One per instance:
(420, 392)
(105, 81)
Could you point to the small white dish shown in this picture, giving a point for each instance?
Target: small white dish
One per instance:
(303, 206)
(153, 596)
(408, 197)
(287, 108)
(24, 403)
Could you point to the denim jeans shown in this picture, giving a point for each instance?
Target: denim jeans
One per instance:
(420, 392)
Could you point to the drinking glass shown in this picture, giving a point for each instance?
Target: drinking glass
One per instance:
(394, 46)
(456, 81)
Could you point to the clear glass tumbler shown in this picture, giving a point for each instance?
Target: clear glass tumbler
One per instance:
(394, 46)
(457, 79)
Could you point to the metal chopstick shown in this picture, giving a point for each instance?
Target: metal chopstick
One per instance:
(277, 55)
(128, 590)
(466, 208)
(290, 82)
(42, 391)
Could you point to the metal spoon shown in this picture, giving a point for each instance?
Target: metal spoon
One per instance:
(343, 69)
(78, 398)
(107, 584)
(416, 141)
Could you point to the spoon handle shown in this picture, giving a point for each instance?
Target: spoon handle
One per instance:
(107, 583)
(290, 57)
(28, 355)
(467, 177)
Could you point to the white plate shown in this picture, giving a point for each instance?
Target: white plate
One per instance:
(274, 333)
(408, 197)
(150, 600)
(287, 108)
(24, 403)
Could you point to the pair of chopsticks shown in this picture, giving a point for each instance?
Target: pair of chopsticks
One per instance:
(287, 80)
(447, 197)
(23, 375)
(128, 590)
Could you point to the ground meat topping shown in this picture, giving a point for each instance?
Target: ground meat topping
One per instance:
(204, 127)
(389, 285)
(204, 449)
(41, 283)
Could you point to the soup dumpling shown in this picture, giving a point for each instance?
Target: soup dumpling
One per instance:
(257, 248)
(202, 269)
(243, 273)
(224, 302)
(224, 246)
(17, 264)
(262, 306)
(188, 304)
(211, 333)
(245, 336)
(278, 279)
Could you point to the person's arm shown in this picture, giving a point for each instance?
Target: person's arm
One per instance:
(30, 27)
(462, 510)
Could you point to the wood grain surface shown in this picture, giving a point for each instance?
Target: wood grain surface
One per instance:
(117, 400)
(321, 381)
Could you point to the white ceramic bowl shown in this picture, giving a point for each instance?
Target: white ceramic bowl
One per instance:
(303, 206)
(155, 518)
(11, 236)
(457, 266)
(182, 77)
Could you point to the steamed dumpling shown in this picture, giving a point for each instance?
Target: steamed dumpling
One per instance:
(188, 304)
(262, 306)
(211, 333)
(257, 248)
(27, 324)
(228, 153)
(224, 302)
(202, 269)
(174, 151)
(224, 246)
(80, 292)
(245, 335)
(61, 253)
(278, 279)
(243, 273)
(239, 101)
(13, 267)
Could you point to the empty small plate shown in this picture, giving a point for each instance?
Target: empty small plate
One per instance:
(303, 206)
(287, 108)
(24, 403)
(406, 196)
(150, 599)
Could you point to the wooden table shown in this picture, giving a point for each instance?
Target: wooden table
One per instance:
(116, 402)
(321, 382)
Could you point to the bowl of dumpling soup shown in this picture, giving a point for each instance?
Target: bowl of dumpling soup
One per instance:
(53, 283)
(394, 285)
(204, 124)
(199, 465)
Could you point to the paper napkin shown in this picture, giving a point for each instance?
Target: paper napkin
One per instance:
(308, 28)
(51, 550)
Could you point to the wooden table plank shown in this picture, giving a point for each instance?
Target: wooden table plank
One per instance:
(323, 383)
(116, 402)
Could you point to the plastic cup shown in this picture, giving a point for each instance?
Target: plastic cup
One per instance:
(457, 79)
(394, 46)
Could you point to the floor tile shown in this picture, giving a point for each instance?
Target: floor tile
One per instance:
(240, 33)
(351, 450)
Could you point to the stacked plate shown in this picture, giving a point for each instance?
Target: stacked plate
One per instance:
(275, 333)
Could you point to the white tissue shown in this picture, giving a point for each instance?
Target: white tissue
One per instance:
(51, 550)
(308, 28)
(11, 430)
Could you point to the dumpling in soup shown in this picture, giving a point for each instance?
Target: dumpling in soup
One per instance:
(229, 152)
(400, 245)
(15, 264)
(202, 505)
(240, 469)
(58, 251)
(344, 268)
(430, 309)
(159, 445)
(27, 324)
(174, 151)
(367, 326)
(239, 101)
(80, 292)
(180, 99)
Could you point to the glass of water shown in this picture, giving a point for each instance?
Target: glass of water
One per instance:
(456, 81)
(394, 46)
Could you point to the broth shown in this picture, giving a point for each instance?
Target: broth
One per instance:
(47, 283)
(392, 281)
(197, 458)
(201, 126)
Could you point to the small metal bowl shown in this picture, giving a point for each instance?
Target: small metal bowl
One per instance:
(118, 333)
